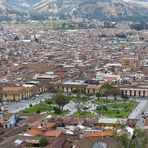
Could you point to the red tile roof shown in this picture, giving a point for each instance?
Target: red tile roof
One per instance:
(53, 133)
(35, 132)
(99, 134)
(48, 133)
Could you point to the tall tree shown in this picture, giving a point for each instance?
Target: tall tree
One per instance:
(106, 89)
(61, 100)
(98, 95)
(115, 91)
(77, 91)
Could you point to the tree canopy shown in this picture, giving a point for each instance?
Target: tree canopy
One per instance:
(61, 100)
(107, 89)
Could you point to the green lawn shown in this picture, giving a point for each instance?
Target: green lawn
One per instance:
(124, 106)
(44, 107)
(83, 113)
(114, 114)
(116, 108)
(107, 101)
(79, 100)
(112, 108)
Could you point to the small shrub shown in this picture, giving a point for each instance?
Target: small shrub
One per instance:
(38, 111)
(43, 141)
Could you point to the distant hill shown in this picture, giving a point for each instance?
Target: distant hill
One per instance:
(114, 9)
(87, 9)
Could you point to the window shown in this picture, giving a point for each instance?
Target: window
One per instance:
(134, 93)
(144, 93)
(139, 93)
(130, 92)
(14, 97)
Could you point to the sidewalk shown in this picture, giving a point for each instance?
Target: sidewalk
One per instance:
(138, 109)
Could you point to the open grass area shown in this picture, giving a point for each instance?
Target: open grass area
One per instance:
(116, 108)
(107, 107)
(44, 107)
(83, 113)
(108, 101)
(49, 105)
(78, 99)
(115, 114)
(124, 105)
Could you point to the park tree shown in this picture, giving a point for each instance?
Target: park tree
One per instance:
(98, 95)
(61, 100)
(115, 91)
(57, 110)
(38, 111)
(49, 102)
(106, 89)
(77, 91)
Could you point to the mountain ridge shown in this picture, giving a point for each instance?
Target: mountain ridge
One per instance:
(66, 9)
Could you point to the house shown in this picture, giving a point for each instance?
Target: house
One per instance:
(8, 120)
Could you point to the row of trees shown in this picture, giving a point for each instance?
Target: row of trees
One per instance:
(107, 89)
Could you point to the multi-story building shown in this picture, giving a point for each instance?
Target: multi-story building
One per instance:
(134, 91)
(78, 85)
(15, 93)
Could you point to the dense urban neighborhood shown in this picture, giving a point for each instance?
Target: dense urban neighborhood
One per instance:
(73, 84)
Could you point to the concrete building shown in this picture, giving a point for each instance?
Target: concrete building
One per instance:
(83, 86)
(128, 62)
(134, 91)
(15, 93)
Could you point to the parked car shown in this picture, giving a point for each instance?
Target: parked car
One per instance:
(144, 115)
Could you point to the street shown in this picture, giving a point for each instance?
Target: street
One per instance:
(136, 114)
(14, 107)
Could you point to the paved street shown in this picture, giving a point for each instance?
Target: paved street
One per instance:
(136, 114)
(13, 107)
